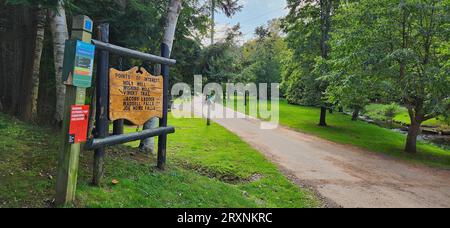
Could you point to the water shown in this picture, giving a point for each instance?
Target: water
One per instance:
(442, 141)
(439, 140)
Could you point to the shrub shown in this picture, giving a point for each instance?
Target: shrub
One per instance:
(391, 111)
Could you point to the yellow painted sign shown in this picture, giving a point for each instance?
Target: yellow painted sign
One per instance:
(135, 96)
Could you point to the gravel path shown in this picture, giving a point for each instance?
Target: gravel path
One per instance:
(344, 175)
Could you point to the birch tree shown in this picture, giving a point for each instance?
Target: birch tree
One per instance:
(40, 34)
(170, 26)
(60, 34)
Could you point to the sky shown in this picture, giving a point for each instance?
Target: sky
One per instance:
(255, 13)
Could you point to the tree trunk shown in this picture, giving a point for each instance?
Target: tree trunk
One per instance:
(213, 18)
(171, 23)
(17, 41)
(411, 140)
(208, 119)
(325, 20)
(245, 98)
(22, 93)
(3, 84)
(323, 117)
(40, 35)
(60, 34)
(18, 67)
(355, 115)
(46, 96)
(173, 12)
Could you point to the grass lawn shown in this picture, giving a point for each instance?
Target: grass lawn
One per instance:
(376, 112)
(207, 167)
(367, 136)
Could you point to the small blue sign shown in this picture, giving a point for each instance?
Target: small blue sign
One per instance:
(88, 25)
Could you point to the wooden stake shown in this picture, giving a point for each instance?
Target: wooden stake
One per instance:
(162, 139)
(101, 119)
(69, 155)
(208, 118)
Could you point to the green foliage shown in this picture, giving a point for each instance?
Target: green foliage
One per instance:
(390, 111)
(187, 52)
(52, 5)
(138, 24)
(262, 32)
(262, 58)
(303, 38)
(43, 3)
(400, 43)
(392, 50)
(221, 62)
(377, 112)
(307, 27)
(351, 82)
(386, 113)
(229, 7)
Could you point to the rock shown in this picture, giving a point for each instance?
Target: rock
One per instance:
(431, 131)
(405, 128)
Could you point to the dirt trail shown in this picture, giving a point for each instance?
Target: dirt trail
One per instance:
(347, 176)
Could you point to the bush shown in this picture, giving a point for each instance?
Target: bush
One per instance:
(391, 111)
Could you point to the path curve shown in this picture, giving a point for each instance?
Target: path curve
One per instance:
(347, 176)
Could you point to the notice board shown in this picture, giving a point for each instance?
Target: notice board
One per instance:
(135, 95)
(79, 121)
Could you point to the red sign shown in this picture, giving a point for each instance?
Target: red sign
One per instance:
(79, 120)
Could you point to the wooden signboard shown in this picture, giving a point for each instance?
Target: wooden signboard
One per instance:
(135, 96)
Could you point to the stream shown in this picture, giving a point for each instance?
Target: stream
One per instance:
(428, 134)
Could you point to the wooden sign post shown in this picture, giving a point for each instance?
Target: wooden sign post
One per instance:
(208, 102)
(134, 95)
(101, 118)
(78, 65)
